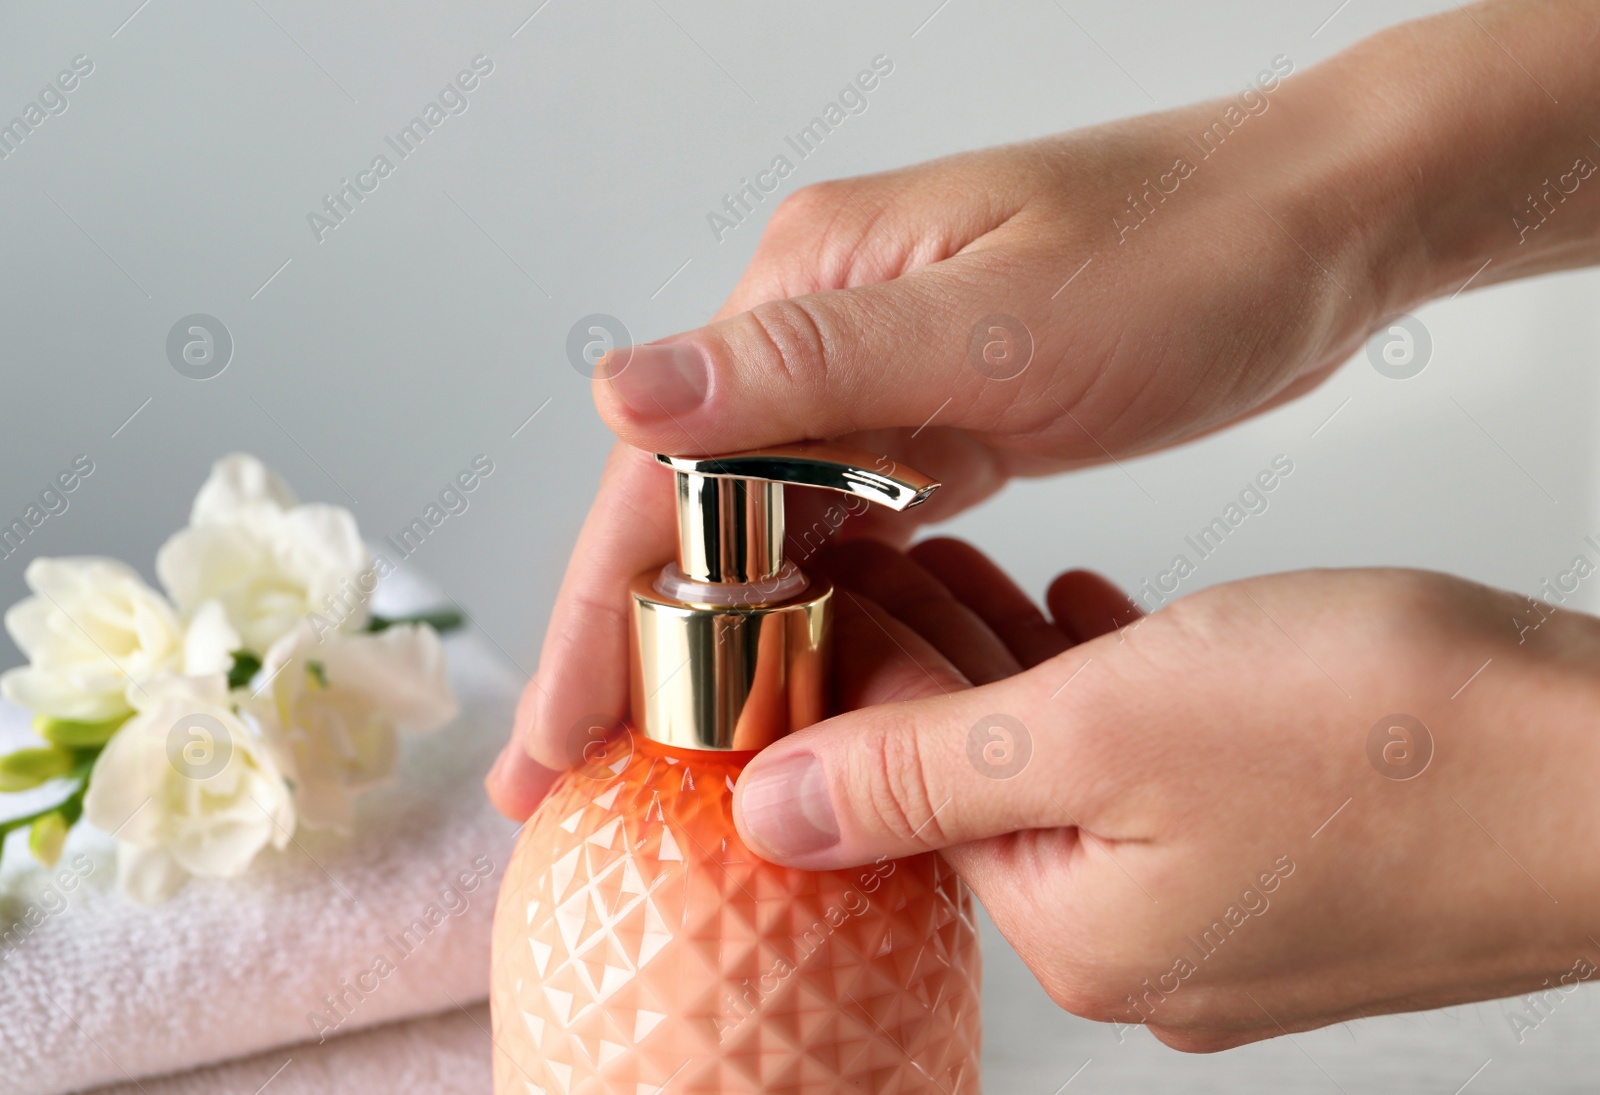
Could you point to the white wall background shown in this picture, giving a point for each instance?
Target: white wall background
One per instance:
(425, 330)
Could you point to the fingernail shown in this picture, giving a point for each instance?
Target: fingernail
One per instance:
(660, 378)
(786, 807)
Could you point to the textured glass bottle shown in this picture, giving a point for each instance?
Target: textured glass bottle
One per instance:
(639, 946)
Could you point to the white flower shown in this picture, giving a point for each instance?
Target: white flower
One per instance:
(270, 562)
(93, 626)
(238, 486)
(187, 788)
(209, 642)
(333, 709)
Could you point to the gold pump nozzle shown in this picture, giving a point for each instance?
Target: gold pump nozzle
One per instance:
(730, 644)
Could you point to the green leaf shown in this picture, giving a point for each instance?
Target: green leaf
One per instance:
(318, 672)
(245, 666)
(28, 768)
(75, 734)
(440, 619)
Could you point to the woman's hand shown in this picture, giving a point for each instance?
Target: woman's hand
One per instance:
(1273, 805)
(1042, 306)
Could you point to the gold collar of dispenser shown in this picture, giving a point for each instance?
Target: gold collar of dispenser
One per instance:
(730, 644)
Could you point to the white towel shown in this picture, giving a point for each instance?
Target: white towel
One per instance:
(104, 991)
(444, 1054)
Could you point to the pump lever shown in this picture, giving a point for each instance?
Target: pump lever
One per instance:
(816, 464)
(730, 507)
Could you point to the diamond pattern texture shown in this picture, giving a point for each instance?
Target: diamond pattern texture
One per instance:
(640, 948)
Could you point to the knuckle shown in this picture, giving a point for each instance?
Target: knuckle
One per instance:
(846, 232)
(1417, 594)
(1202, 614)
(600, 613)
(1083, 1001)
(897, 789)
(1082, 962)
(1083, 992)
(807, 206)
(1199, 1041)
(792, 341)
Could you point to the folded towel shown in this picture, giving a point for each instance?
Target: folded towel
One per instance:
(444, 1054)
(334, 933)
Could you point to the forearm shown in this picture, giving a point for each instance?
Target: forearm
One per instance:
(1478, 134)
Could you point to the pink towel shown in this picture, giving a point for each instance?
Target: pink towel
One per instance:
(333, 934)
(444, 1054)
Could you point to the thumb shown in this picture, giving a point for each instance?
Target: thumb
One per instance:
(958, 343)
(904, 778)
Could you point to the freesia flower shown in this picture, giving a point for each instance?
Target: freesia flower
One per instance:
(187, 788)
(91, 628)
(151, 727)
(333, 710)
(269, 561)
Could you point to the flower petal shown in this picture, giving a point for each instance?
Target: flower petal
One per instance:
(94, 626)
(148, 875)
(322, 549)
(186, 694)
(399, 671)
(58, 697)
(209, 643)
(227, 843)
(238, 482)
(197, 564)
(123, 786)
(28, 624)
(61, 578)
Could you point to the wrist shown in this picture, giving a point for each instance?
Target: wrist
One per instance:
(1479, 165)
(1540, 720)
(1332, 164)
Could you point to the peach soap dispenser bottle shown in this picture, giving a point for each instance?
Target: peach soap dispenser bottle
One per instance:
(639, 946)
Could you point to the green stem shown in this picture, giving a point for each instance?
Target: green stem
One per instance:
(79, 775)
(440, 619)
(75, 799)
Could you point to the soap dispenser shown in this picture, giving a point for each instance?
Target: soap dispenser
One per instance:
(639, 946)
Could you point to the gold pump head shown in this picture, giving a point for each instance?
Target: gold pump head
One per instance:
(730, 643)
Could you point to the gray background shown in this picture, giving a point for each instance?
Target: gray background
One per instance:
(427, 329)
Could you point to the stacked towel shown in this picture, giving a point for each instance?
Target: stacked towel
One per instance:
(444, 1054)
(102, 991)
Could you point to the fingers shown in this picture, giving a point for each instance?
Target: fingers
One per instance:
(583, 668)
(913, 595)
(830, 363)
(1086, 606)
(517, 783)
(878, 659)
(912, 640)
(903, 778)
(827, 236)
(1004, 608)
